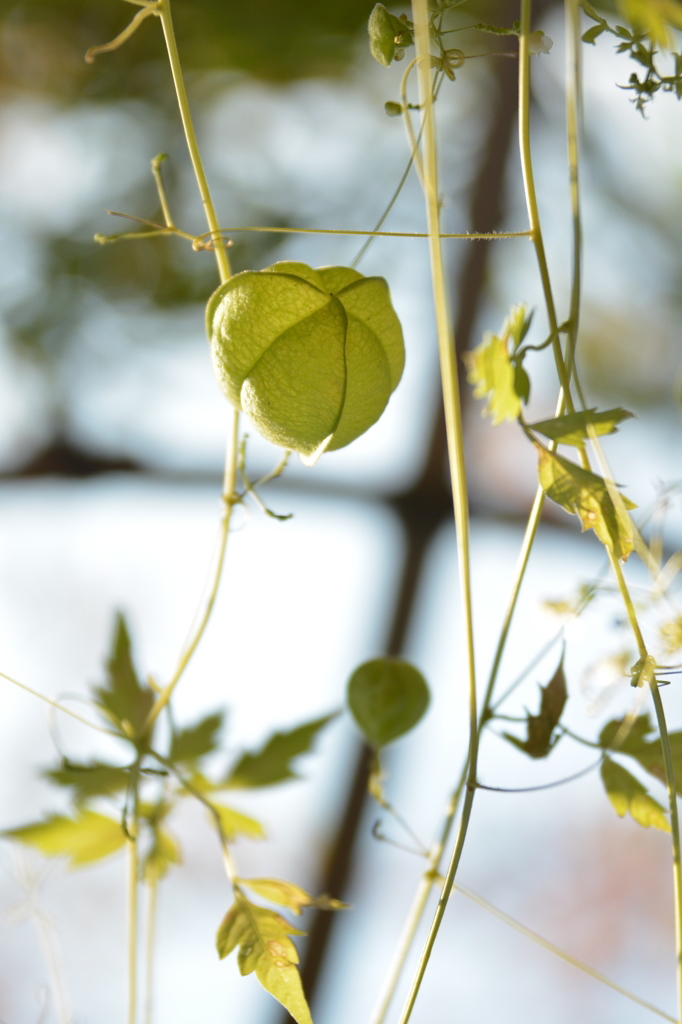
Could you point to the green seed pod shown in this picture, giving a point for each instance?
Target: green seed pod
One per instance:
(312, 356)
(382, 32)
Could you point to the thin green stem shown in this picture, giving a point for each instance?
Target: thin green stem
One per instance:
(471, 236)
(133, 873)
(225, 271)
(161, 189)
(453, 421)
(669, 770)
(573, 114)
(195, 156)
(557, 951)
(58, 707)
(198, 632)
(531, 197)
(150, 942)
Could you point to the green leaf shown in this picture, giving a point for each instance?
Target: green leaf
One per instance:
(273, 762)
(197, 740)
(587, 495)
(593, 33)
(286, 894)
(91, 779)
(162, 855)
(386, 697)
(312, 356)
(265, 947)
(87, 837)
(572, 428)
(492, 374)
(647, 752)
(627, 794)
(640, 728)
(124, 700)
(234, 823)
(653, 18)
(541, 738)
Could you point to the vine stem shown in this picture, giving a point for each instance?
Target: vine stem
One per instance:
(133, 872)
(224, 269)
(229, 483)
(669, 771)
(453, 422)
(164, 10)
(531, 197)
(150, 939)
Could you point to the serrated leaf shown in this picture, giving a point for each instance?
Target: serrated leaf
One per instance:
(273, 762)
(286, 894)
(86, 838)
(88, 780)
(587, 495)
(265, 947)
(235, 823)
(123, 698)
(163, 854)
(491, 372)
(197, 740)
(386, 697)
(627, 794)
(541, 739)
(572, 428)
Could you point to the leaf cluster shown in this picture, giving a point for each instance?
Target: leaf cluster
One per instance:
(649, 32)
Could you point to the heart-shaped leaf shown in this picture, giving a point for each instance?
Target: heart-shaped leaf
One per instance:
(387, 697)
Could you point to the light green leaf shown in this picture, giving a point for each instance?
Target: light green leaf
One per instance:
(640, 728)
(88, 780)
(653, 18)
(273, 763)
(124, 700)
(587, 495)
(492, 374)
(286, 894)
(265, 947)
(234, 823)
(572, 428)
(87, 837)
(197, 740)
(541, 738)
(387, 697)
(163, 854)
(627, 794)
(311, 355)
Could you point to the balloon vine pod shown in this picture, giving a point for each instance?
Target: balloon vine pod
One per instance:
(312, 356)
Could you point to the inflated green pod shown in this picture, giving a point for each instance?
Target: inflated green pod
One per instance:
(312, 356)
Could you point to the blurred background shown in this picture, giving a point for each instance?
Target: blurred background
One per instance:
(111, 446)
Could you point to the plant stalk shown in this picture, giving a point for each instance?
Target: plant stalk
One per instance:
(453, 422)
(222, 258)
(225, 271)
(152, 897)
(531, 198)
